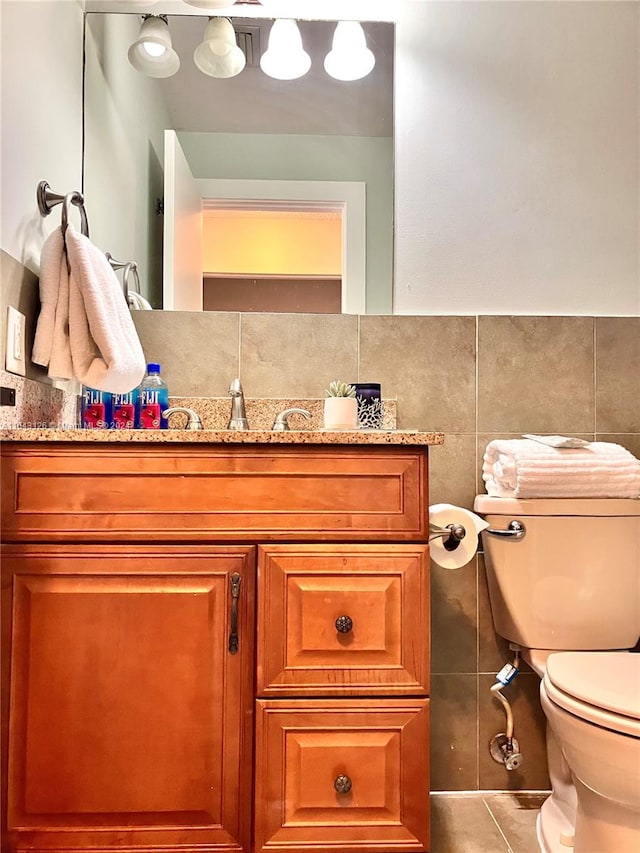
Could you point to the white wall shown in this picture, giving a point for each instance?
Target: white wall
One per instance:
(517, 187)
(41, 102)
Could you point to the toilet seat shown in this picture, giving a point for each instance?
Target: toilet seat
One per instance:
(602, 688)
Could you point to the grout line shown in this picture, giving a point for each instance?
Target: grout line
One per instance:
(477, 371)
(595, 379)
(494, 819)
(490, 792)
(239, 344)
(358, 318)
(477, 489)
(477, 730)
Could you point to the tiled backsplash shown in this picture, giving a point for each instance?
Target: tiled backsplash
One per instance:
(37, 405)
(261, 413)
(474, 378)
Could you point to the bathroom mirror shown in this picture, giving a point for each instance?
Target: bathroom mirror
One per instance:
(249, 128)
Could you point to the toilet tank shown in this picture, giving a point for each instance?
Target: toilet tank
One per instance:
(573, 581)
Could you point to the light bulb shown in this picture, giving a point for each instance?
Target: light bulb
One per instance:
(153, 49)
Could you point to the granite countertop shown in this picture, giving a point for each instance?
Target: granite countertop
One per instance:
(213, 436)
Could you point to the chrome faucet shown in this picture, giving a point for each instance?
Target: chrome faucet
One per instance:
(194, 421)
(281, 423)
(238, 419)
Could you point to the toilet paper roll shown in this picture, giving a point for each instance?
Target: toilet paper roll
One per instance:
(441, 515)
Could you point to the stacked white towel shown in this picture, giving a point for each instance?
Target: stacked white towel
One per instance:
(85, 330)
(522, 468)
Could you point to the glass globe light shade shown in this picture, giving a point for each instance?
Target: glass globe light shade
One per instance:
(218, 55)
(152, 53)
(349, 57)
(285, 57)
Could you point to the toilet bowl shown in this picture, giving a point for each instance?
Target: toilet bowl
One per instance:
(592, 704)
(567, 593)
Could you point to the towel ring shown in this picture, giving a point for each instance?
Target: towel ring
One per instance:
(47, 200)
(130, 268)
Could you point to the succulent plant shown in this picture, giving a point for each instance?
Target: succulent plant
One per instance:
(340, 389)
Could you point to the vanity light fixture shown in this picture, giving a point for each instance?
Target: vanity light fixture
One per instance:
(218, 55)
(152, 53)
(285, 57)
(349, 57)
(210, 4)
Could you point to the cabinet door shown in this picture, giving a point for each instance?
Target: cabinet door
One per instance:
(338, 620)
(130, 719)
(347, 775)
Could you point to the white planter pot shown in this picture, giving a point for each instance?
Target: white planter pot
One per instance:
(340, 413)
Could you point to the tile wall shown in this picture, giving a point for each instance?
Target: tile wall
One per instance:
(474, 378)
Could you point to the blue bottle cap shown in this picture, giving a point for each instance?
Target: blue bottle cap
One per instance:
(153, 367)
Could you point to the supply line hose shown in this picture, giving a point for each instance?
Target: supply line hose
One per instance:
(505, 677)
(495, 689)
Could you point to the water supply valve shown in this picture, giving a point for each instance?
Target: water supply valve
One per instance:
(507, 674)
(506, 750)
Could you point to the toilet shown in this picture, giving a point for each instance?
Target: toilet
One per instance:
(564, 586)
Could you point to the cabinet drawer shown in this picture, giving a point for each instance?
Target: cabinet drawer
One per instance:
(348, 775)
(213, 493)
(378, 595)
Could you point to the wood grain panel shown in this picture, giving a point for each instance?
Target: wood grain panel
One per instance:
(130, 720)
(384, 589)
(302, 746)
(216, 493)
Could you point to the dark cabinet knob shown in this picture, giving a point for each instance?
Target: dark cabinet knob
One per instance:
(342, 784)
(344, 624)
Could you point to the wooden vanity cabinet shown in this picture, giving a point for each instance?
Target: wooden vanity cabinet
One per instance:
(128, 722)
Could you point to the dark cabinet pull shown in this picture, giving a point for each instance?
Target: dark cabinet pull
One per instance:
(344, 624)
(234, 583)
(342, 784)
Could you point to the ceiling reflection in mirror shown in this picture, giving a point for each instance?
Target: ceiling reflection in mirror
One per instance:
(247, 128)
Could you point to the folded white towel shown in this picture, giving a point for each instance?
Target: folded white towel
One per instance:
(51, 346)
(521, 468)
(105, 348)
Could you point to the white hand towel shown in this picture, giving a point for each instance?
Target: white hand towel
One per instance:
(105, 348)
(51, 347)
(520, 468)
(138, 302)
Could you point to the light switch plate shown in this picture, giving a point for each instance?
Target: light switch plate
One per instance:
(15, 354)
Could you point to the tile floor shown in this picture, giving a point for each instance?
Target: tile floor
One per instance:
(485, 823)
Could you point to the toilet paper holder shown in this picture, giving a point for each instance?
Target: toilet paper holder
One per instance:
(454, 534)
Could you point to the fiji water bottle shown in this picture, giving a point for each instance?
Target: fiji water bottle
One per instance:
(123, 409)
(95, 408)
(153, 399)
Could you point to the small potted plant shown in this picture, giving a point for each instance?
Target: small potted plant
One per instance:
(340, 406)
